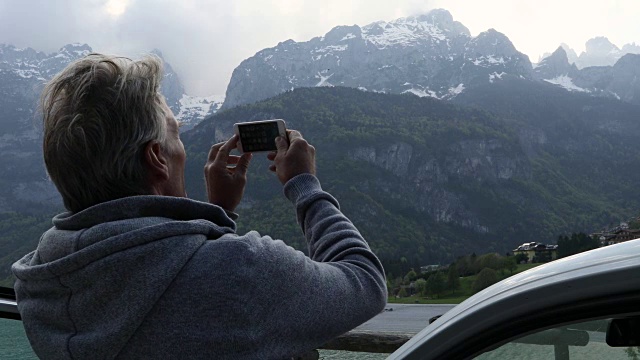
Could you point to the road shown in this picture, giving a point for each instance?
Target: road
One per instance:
(404, 318)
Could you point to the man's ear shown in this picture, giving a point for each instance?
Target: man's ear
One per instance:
(157, 163)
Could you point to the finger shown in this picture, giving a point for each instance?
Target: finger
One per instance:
(281, 144)
(272, 155)
(214, 151)
(294, 135)
(221, 157)
(272, 168)
(243, 164)
(233, 159)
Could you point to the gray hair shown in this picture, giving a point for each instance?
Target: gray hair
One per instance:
(99, 113)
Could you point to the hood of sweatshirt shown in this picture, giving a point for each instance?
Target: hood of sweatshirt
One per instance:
(97, 273)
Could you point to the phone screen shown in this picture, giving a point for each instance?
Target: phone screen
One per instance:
(258, 137)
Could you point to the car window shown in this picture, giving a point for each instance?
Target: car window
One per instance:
(583, 341)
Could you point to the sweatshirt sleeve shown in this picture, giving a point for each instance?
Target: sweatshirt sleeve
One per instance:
(316, 298)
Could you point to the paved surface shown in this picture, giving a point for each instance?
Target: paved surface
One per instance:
(404, 318)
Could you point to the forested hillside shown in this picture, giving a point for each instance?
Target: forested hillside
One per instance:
(427, 181)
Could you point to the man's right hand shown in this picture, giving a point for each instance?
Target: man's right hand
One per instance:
(293, 157)
(225, 185)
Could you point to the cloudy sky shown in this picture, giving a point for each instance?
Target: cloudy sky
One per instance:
(205, 40)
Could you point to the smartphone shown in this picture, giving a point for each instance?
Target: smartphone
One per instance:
(256, 136)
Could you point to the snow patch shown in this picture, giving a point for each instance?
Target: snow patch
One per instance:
(566, 82)
(194, 109)
(422, 93)
(404, 32)
(486, 61)
(456, 90)
(495, 75)
(27, 74)
(332, 48)
(323, 80)
(347, 37)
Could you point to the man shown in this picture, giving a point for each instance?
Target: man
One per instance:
(136, 270)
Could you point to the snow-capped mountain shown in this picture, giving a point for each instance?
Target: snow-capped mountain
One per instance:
(599, 51)
(427, 55)
(23, 73)
(194, 109)
(618, 81)
(602, 52)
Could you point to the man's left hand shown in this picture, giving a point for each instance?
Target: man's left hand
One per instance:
(225, 182)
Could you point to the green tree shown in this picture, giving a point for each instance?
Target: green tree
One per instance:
(421, 286)
(403, 264)
(453, 279)
(521, 258)
(509, 264)
(541, 257)
(435, 284)
(465, 265)
(491, 261)
(633, 354)
(411, 276)
(577, 243)
(485, 278)
(403, 292)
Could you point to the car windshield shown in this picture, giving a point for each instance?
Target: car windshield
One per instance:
(467, 141)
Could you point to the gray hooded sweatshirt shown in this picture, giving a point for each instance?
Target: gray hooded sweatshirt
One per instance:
(154, 277)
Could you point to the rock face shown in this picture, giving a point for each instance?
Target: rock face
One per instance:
(556, 64)
(428, 55)
(23, 73)
(427, 176)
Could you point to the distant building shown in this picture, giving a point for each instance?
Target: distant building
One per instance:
(538, 250)
(429, 268)
(618, 234)
(621, 234)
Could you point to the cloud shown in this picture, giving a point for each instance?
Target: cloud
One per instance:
(47, 25)
(203, 40)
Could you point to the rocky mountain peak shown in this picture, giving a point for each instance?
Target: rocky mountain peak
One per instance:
(555, 65)
(632, 48)
(572, 56)
(73, 51)
(560, 54)
(76, 47)
(424, 55)
(492, 42)
(10, 54)
(599, 51)
(172, 87)
(444, 20)
(623, 78)
(343, 33)
(435, 26)
(600, 46)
